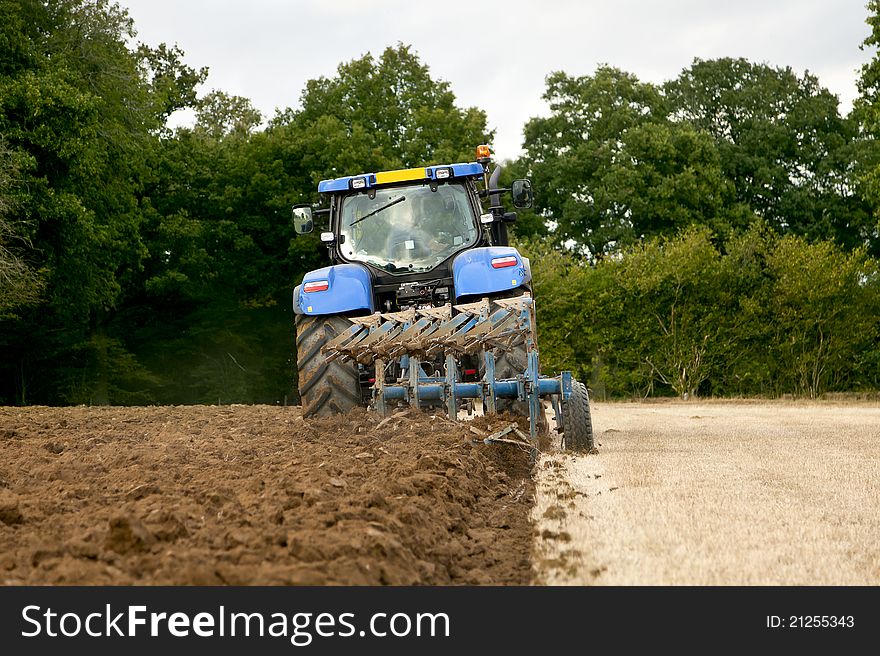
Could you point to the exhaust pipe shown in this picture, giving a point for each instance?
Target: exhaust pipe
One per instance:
(495, 199)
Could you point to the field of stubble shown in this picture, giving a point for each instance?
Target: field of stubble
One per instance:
(715, 493)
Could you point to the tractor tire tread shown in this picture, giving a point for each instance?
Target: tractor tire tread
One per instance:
(577, 425)
(325, 388)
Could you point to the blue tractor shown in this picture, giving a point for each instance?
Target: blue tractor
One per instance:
(425, 302)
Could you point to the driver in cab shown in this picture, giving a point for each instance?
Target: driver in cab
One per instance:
(444, 223)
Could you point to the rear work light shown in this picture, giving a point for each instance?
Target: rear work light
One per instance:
(358, 183)
(502, 262)
(316, 286)
(443, 174)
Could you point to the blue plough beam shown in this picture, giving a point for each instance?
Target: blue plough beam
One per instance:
(417, 335)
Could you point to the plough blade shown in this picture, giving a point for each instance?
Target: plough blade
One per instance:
(417, 336)
(462, 330)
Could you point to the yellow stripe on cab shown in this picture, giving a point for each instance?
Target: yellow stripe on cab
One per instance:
(387, 177)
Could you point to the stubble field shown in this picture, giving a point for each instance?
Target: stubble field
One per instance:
(715, 493)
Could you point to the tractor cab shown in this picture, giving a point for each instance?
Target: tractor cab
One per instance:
(406, 230)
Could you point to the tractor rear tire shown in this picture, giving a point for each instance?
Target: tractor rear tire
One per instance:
(325, 388)
(577, 426)
(510, 363)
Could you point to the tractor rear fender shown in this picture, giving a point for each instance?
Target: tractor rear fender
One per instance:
(489, 270)
(334, 290)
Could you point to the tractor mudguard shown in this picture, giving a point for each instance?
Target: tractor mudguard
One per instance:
(348, 288)
(474, 273)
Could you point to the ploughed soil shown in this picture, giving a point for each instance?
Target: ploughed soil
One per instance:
(256, 495)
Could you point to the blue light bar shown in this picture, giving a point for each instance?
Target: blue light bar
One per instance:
(461, 170)
(471, 169)
(345, 183)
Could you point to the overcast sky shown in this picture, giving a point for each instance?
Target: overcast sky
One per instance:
(497, 54)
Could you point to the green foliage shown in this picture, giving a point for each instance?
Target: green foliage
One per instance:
(611, 168)
(725, 143)
(382, 114)
(172, 84)
(79, 113)
(220, 115)
(68, 112)
(104, 369)
(824, 309)
(866, 111)
(20, 285)
(216, 352)
(670, 288)
(790, 156)
(867, 105)
(677, 315)
(529, 224)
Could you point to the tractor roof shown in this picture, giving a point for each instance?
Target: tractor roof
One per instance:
(367, 180)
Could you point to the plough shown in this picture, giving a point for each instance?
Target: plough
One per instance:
(417, 335)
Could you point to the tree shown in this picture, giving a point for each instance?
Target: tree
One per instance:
(671, 288)
(726, 142)
(610, 168)
(790, 156)
(222, 257)
(79, 117)
(218, 115)
(825, 311)
(866, 111)
(769, 315)
(20, 285)
(212, 312)
(172, 83)
(384, 114)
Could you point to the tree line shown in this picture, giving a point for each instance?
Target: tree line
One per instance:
(760, 315)
(716, 234)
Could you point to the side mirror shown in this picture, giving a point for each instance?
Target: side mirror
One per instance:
(521, 191)
(302, 219)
